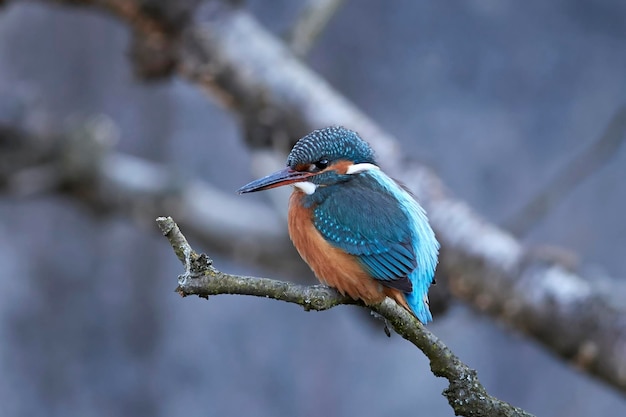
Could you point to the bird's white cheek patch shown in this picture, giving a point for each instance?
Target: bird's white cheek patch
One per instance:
(356, 168)
(306, 187)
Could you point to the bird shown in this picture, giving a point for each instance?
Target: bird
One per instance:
(359, 230)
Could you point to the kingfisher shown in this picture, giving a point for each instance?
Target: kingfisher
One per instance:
(359, 230)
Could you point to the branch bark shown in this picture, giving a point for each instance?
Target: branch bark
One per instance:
(465, 393)
(279, 100)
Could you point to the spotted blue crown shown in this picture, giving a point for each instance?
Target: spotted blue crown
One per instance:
(333, 144)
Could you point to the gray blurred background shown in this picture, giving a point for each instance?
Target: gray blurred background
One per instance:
(495, 96)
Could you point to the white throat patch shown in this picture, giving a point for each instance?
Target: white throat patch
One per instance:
(356, 168)
(306, 187)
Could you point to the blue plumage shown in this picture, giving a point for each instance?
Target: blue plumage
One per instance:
(332, 143)
(363, 219)
(376, 220)
(424, 244)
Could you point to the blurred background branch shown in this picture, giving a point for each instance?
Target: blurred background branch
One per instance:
(82, 162)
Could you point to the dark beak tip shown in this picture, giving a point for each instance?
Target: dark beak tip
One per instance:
(251, 187)
(277, 179)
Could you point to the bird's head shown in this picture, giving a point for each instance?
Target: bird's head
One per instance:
(321, 158)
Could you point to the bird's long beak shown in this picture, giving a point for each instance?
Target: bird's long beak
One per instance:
(277, 179)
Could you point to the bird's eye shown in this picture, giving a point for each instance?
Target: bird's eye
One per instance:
(321, 164)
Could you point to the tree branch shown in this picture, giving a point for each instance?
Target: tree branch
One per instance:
(465, 393)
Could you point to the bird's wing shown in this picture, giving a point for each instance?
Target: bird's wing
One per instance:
(371, 225)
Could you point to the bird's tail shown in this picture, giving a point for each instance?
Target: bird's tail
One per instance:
(415, 304)
(418, 305)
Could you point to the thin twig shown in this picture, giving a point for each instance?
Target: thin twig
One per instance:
(310, 24)
(465, 393)
(581, 167)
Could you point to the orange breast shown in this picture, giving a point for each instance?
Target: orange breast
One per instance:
(331, 265)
